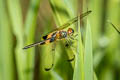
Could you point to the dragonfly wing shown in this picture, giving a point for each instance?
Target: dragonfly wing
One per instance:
(70, 22)
(74, 20)
(114, 27)
(71, 50)
(49, 56)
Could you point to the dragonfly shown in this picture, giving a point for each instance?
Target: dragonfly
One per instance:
(59, 34)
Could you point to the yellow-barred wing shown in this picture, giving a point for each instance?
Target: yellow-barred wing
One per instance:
(70, 22)
(48, 56)
(114, 27)
(74, 20)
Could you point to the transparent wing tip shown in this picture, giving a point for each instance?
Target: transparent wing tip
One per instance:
(89, 11)
(113, 26)
(48, 69)
(70, 60)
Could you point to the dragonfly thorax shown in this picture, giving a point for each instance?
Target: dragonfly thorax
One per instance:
(63, 34)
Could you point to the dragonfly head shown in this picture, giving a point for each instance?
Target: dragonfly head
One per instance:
(70, 31)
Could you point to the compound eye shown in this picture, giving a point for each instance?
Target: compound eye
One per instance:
(70, 31)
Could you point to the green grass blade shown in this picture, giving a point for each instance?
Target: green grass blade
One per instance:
(6, 48)
(95, 77)
(88, 56)
(15, 14)
(79, 62)
(61, 15)
(31, 19)
(30, 28)
(56, 76)
(60, 12)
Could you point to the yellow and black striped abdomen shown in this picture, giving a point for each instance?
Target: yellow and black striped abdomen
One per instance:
(34, 44)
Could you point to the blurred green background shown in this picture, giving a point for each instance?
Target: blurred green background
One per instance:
(23, 22)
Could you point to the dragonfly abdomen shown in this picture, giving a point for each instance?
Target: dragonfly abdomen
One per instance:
(34, 44)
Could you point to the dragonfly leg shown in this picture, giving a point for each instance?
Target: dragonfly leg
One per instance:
(69, 43)
(73, 37)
